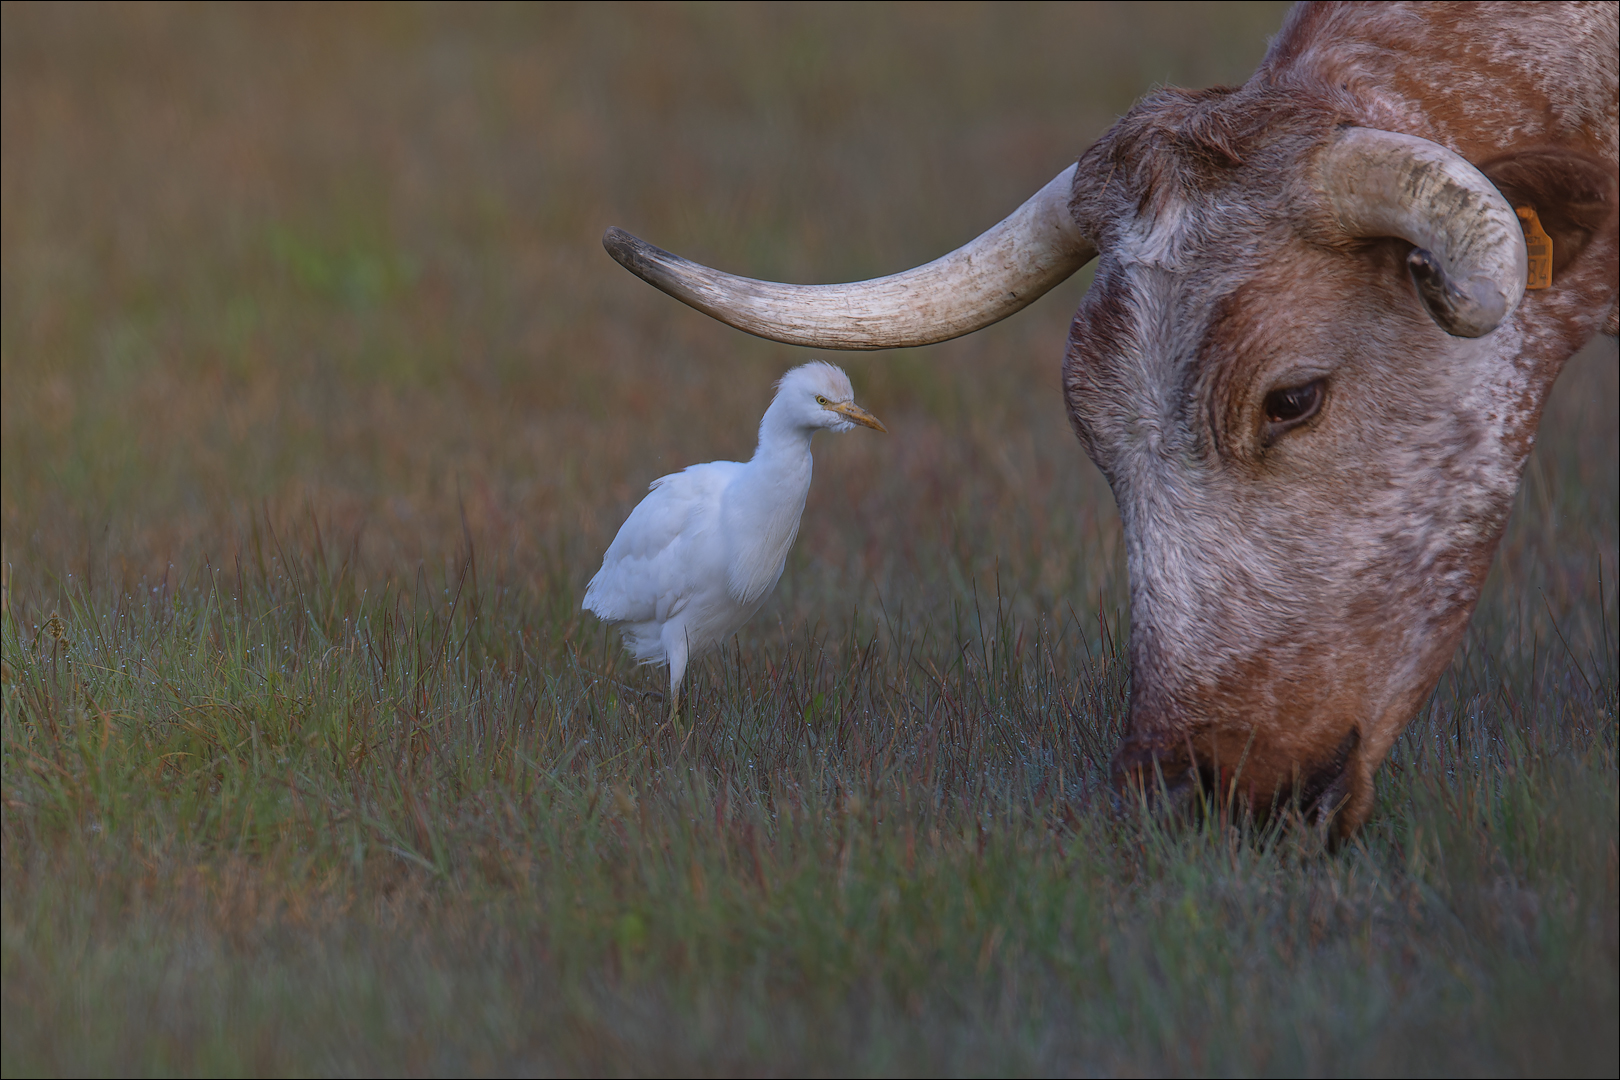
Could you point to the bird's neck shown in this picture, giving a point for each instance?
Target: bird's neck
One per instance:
(784, 446)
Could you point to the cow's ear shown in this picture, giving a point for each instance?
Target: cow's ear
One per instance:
(1572, 194)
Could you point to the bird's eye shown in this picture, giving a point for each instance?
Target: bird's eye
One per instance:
(1290, 406)
(820, 400)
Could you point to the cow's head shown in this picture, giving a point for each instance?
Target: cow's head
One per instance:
(1299, 369)
(1305, 369)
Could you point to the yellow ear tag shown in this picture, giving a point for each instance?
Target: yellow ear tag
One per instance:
(1538, 246)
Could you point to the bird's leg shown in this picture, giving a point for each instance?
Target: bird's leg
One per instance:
(677, 650)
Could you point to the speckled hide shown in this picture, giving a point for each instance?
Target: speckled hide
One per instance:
(1295, 596)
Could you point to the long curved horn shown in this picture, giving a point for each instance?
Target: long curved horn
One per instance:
(983, 281)
(1469, 258)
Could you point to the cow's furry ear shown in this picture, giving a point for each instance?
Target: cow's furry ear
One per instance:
(1572, 194)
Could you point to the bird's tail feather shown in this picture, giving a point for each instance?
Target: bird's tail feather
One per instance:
(644, 642)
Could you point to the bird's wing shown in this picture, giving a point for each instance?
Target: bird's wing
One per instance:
(641, 572)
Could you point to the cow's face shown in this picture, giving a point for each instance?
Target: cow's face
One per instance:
(1312, 476)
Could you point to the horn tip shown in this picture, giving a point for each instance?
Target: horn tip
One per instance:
(637, 256)
(616, 240)
(1468, 308)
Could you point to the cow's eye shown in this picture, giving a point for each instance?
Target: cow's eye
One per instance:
(1290, 406)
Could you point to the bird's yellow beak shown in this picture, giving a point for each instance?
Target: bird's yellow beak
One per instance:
(855, 414)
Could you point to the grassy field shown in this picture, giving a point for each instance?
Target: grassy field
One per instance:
(319, 403)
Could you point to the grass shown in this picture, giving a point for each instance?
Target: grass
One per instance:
(318, 405)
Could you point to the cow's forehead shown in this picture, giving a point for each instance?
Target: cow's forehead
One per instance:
(1196, 280)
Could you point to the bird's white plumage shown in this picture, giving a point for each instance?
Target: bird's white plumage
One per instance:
(700, 554)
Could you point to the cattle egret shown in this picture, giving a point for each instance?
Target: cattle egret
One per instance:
(699, 555)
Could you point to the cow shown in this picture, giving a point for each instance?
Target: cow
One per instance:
(1328, 307)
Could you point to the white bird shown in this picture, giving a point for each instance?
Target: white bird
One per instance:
(699, 555)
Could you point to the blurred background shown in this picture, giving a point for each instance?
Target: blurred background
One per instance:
(333, 274)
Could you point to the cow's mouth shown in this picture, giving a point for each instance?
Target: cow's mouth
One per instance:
(1191, 778)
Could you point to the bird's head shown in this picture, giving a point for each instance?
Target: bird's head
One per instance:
(818, 395)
